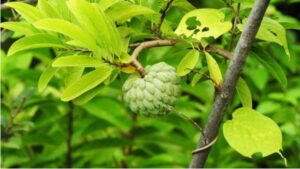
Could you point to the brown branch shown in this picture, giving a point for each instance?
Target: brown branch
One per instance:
(225, 53)
(167, 42)
(149, 44)
(69, 160)
(224, 97)
(162, 17)
(170, 42)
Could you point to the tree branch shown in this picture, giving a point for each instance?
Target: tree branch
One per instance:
(167, 42)
(224, 97)
(235, 22)
(162, 17)
(14, 115)
(69, 161)
(225, 53)
(149, 44)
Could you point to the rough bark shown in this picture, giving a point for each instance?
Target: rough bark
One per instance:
(223, 98)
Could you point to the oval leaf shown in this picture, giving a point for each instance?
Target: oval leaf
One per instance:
(123, 11)
(68, 29)
(87, 96)
(105, 4)
(271, 31)
(28, 12)
(188, 62)
(86, 83)
(244, 93)
(46, 7)
(72, 75)
(203, 23)
(98, 24)
(250, 132)
(35, 41)
(20, 27)
(78, 61)
(195, 79)
(46, 77)
(214, 70)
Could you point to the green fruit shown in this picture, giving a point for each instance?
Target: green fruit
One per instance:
(156, 93)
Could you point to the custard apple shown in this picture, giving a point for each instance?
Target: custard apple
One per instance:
(156, 93)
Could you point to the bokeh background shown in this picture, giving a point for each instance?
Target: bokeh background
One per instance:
(106, 134)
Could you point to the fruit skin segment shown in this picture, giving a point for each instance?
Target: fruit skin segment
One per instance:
(155, 94)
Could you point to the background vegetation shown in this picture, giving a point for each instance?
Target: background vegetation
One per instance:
(40, 130)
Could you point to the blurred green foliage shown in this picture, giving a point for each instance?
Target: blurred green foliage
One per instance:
(34, 125)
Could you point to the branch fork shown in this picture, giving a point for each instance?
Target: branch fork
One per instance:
(167, 42)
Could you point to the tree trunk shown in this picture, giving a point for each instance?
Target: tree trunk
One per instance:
(223, 98)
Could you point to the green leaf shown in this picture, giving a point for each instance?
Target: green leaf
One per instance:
(104, 143)
(203, 23)
(195, 79)
(244, 93)
(112, 77)
(271, 31)
(250, 132)
(97, 24)
(45, 77)
(214, 70)
(20, 28)
(123, 11)
(76, 43)
(289, 25)
(73, 74)
(78, 61)
(35, 41)
(105, 4)
(87, 96)
(28, 12)
(68, 29)
(109, 110)
(62, 9)
(270, 64)
(188, 62)
(47, 9)
(183, 4)
(3, 62)
(86, 83)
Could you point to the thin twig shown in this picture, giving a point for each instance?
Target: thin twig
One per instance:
(210, 48)
(14, 114)
(69, 160)
(208, 145)
(226, 54)
(162, 17)
(235, 22)
(217, 87)
(144, 45)
(167, 42)
(222, 99)
(114, 63)
(192, 121)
